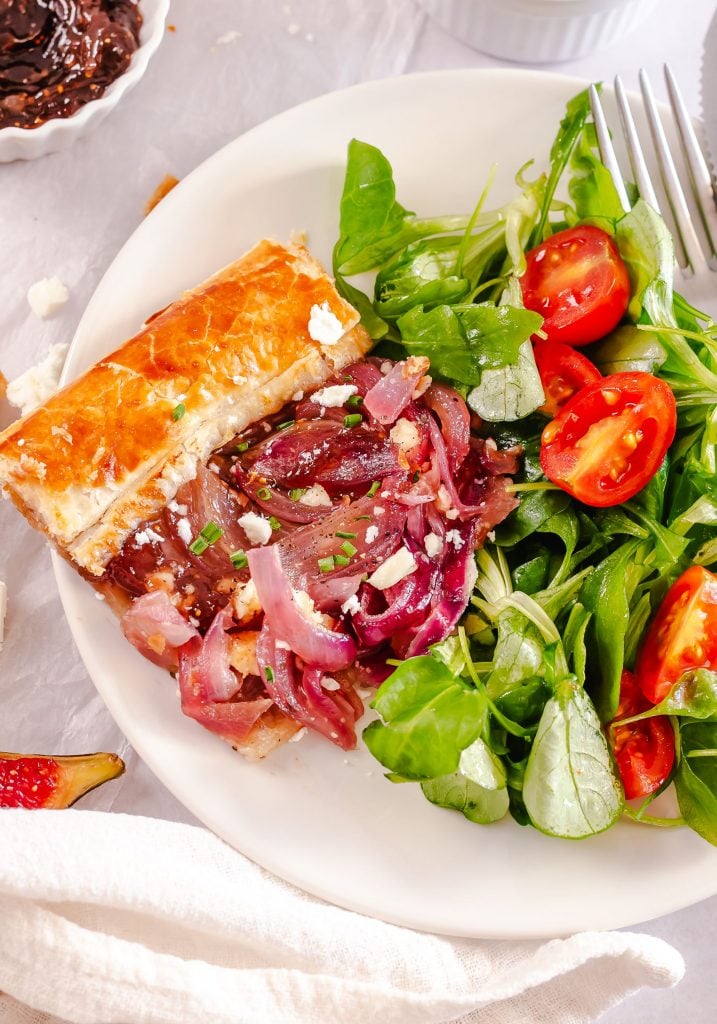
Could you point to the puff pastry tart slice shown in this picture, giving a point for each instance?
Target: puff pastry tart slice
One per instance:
(115, 445)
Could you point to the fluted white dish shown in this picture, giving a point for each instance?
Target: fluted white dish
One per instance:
(538, 31)
(60, 132)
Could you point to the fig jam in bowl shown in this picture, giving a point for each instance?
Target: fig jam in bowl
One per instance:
(65, 64)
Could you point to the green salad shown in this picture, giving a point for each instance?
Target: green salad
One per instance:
(582, 679)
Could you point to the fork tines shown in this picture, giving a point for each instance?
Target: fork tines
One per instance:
(693, 254)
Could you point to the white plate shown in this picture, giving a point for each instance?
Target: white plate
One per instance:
(328, 821)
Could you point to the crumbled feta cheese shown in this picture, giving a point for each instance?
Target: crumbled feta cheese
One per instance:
(143, 537)
(453, 537)
(324, 326)
(491, 536)
(351, 605)
(297, 396)
(246, 602)
(185, 531)
(433, 545)
(307, 608)
(396, 567)
(443, 498)
(378, 511)
(327, 683)
(405, 435)
(371, 534)
(281, 645)
(47, 296)
(256, 527)
(228, 37)
(37, 384)
(180, 510)
(298, 735)
(335, 396)
(3, 611)
(315, 496)
(452, 513)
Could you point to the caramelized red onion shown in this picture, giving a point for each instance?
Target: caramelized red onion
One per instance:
(389, 396)
(455, 420)
(310, 638)
(406, 604)
(156, 628)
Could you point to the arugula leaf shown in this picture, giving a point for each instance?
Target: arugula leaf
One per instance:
(570, 788)
(463, 342)
(478, 789)
(571, 126)
(696, 778)
(430, 716)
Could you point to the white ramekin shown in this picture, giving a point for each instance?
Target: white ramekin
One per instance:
(60, 132)
(538, 31)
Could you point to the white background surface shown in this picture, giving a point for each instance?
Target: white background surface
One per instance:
(68, 214)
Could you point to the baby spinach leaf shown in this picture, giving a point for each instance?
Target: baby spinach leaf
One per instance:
(422, 274)
(696, 778)
(463, 342)
(430, 716)
(694, 695)
(478, 789)
(509, 392)
(626, 349)
(375, 326)
(591, 186)
(515, 684)
(570, 788)
(606, 593)
(543, 512)
(373, 224)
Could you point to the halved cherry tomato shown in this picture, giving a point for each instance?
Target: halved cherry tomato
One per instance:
(683, 634)
(563, 372)
(609, 440)
(577, 281)
(644, 751)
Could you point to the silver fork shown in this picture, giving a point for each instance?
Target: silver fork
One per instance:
(695, 224)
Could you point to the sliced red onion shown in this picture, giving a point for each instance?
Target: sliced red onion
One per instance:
(455, 419)
(407, 602)
(389, 396)
(302, 549)
(154, 617)
(497, 462)
(330, 591)
(311, 640)
(323, 452)
(300, 695)
(459, 577)
(232, 720)
(279, 504)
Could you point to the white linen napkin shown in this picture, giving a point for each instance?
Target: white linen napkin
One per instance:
(110, 918)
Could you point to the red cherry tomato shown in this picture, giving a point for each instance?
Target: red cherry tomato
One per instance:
(610, 439)
(563, 372)
(644, 751)
(577, 281)
(683, 634)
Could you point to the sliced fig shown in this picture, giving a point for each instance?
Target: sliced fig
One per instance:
(37, 781)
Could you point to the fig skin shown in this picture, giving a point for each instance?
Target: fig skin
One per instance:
(41, 781)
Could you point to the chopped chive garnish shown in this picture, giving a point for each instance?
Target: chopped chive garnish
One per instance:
(239, 560)
(209, 535)
(274, 523)
(326, 564)
(353, 420)
(178, 411)
(359, 518)
(373, 488)
(341, 559)
(416, 476)
(345, 533)
(269, 673)
(355, 401)
(242, 446)
(285, 424)
(348, 548)
(296, 493)
(263, 494)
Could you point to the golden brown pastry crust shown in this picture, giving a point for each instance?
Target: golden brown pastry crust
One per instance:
(106, 452)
